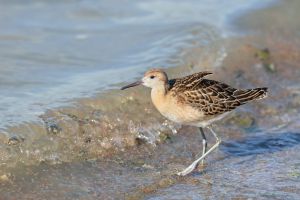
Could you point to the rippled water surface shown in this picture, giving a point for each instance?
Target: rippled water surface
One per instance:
(54, 51)
(67, 132)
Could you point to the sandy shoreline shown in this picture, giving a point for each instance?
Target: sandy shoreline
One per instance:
(106, 135)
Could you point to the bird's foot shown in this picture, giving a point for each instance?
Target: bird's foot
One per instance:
(189, 169)
(202, 166)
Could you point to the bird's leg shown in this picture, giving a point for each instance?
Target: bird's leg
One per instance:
(190, 168)
(204, 144)
(214, 133)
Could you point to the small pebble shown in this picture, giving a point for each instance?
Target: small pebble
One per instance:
(15, 140)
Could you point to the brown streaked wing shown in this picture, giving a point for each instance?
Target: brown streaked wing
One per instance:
(209, 96)
(187, 82)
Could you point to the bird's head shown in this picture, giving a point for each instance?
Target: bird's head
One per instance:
(152, 78)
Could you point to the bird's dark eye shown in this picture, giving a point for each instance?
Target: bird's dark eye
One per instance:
(152, 77)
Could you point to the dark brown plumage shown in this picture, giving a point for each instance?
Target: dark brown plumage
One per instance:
(210, 96)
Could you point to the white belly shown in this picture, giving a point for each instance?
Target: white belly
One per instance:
(181, 115)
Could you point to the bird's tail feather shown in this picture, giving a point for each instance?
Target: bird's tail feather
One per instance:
(250, 94)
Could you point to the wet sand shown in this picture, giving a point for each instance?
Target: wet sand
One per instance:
(111, 151)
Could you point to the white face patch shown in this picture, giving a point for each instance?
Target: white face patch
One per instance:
(150, 82)
(146, 82)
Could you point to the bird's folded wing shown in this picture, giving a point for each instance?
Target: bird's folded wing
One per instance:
(212, 97)
(209, 96)
(187, 82)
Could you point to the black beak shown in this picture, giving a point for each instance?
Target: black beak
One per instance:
(132, 85)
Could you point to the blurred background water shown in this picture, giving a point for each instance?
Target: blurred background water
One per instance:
(54, 51)
(68, 132)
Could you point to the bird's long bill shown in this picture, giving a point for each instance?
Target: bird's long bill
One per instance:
(132, 85)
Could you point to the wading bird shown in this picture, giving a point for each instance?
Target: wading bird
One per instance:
(195, 101)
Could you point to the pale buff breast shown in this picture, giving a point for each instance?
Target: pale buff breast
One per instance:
(174, 110)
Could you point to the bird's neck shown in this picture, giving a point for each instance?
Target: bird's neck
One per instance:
(158, 95)
(160, 90)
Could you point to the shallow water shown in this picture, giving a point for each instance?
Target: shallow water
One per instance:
(116, 146)
(149, 173)
(55, 51)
